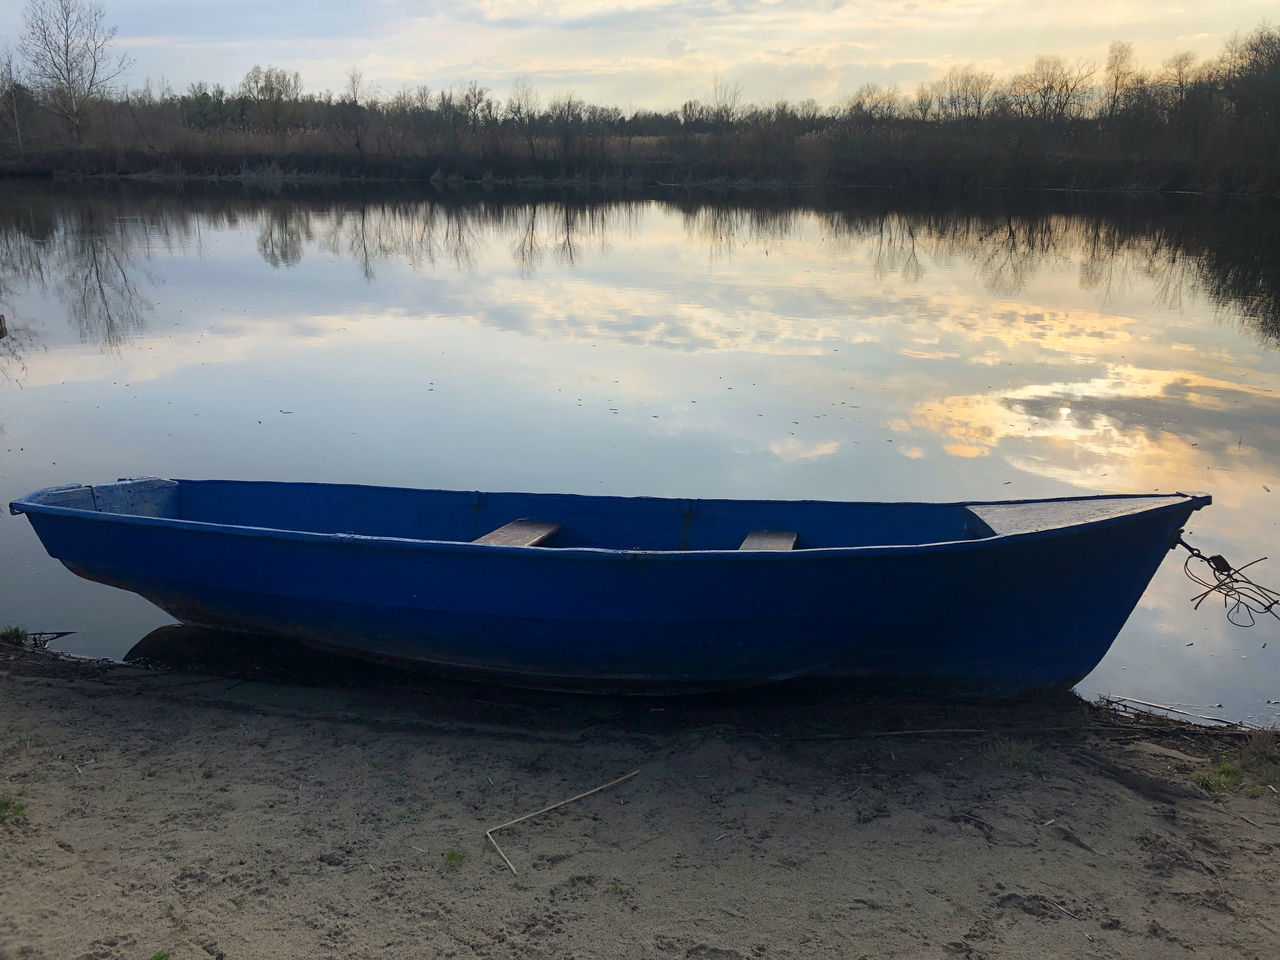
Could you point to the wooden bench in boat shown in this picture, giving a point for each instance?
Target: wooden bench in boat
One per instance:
(769, 540)
(520, 533)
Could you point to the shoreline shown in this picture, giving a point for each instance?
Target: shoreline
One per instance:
(345, 813)
(618, 178)
(621, 186)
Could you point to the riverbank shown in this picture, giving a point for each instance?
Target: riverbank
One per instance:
(934, 170)
(151, 812)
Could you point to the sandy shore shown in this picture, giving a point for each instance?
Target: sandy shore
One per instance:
(344, 815)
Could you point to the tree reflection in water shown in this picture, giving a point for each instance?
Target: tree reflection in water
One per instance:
(80, 252)
(85, 247)
(283, 235)
(97, 273)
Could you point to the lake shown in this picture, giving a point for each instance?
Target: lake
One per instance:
(862, 346)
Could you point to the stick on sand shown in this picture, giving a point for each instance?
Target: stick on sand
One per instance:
(511, 823)
(1199, 716)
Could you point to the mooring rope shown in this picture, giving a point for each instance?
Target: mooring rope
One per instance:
(1243, 599)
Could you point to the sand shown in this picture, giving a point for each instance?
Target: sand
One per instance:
(343, 814)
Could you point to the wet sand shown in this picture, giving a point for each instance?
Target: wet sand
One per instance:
(287, 811)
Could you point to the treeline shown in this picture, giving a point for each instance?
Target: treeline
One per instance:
(1211, 126)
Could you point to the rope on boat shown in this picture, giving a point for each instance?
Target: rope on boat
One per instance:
(1243, 599)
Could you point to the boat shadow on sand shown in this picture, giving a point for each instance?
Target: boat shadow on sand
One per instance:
(272, 668)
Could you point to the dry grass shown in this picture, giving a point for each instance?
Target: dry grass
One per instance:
(14, 636)
(1261, 757)
(1016, 754)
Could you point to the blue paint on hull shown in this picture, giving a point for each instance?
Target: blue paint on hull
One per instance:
(1000, 613)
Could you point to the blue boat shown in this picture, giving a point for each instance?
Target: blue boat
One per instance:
(642, 594)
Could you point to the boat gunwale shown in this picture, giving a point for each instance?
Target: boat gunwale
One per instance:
(1176, 502)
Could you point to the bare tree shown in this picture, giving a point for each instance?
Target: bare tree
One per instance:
(965, 93)
(872, 103)
(926, 101)
(273, 91)
(353, 120)
(565, 115)
(1052, 90)
(451, 116)
(522, 111)
(476, 107)
(357, 90)
(1251, 76)
(1179, 72)
(9, 83)
(808, 113)
(726, 101)
(67, 46)
(1120, 74)
(692, 113)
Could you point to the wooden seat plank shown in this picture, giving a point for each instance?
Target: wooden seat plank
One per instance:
(520, 533)
(769, 540)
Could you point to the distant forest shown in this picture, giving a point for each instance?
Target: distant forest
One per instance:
(1211, 126)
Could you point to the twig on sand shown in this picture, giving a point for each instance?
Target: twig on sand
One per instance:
(1064, 910)
(1072, 916)
(974, 731)
(909, 733)
(489, 834)
(1161, 706)
(511, 823)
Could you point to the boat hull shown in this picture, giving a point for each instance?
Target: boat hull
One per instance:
(1000, 615)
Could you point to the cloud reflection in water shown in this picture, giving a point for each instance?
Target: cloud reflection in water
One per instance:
(875, 348)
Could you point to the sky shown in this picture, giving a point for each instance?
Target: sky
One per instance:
(652, 54)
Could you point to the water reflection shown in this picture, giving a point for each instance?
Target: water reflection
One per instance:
(94, 245)
(870, 346)
(283, 235)
(20, 266)
(98, 283)
(83, 256)
(14, 342)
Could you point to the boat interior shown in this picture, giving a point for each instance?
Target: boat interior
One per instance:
(568, 520)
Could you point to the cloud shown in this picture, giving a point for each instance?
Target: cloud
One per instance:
(964, 450)
(927, 354)
(581, 310)
(623, 53)
(790, 449)
(1107, 433)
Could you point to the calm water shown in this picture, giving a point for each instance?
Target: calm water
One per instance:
(871, 347)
